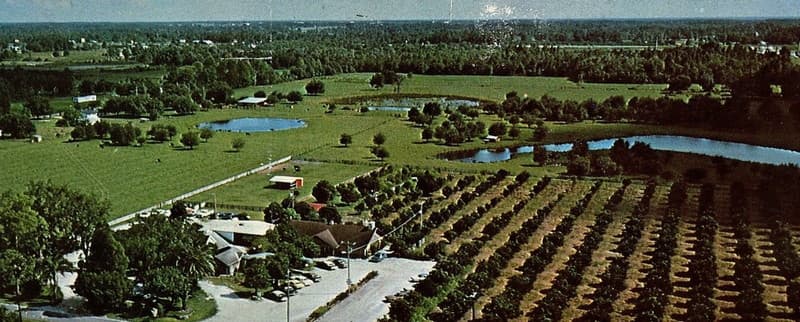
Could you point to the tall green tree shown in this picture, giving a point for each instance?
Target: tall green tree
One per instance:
(315, 87)
(72, 218)
(345, 139)
(38, 106)
(190, 139)
(168, 282)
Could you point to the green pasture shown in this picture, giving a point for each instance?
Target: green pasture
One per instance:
(133, 178)
(492, 88)
(255, 190)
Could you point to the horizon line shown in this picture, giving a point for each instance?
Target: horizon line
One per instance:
(362, 20)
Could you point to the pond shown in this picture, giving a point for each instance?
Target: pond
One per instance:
(250, 124)
(730, 150)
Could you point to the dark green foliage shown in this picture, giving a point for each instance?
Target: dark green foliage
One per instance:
(38, 106)
(345, 139)
(168, 282)
(315, 87)
(17, 125)
(432, 109)
(190, 139)
(379, 139)
(330, 214)
(324, 191)
(497, 129)
(123, 135)
(294, 97)
(105, 291)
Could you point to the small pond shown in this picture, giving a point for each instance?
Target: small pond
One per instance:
(731, 150)
(250, 124)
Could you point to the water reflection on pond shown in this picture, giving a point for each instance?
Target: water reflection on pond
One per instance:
(731, 150)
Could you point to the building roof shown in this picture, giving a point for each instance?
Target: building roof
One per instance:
(284, 179)
(253, 100)
(338, 235)
(244, 227)
(230, 256)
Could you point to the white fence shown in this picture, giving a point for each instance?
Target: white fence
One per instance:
(200, 190)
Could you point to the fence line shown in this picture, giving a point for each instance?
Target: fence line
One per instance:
(200, 190)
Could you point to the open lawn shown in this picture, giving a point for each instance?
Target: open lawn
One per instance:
(492, 88)
(133, 178)
(255, 190)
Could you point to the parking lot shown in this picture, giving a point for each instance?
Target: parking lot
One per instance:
(364, 305)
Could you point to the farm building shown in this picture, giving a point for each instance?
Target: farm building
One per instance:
(225, 233)
(253, 101)
(333, 239)
(84, 99)
(287, 182)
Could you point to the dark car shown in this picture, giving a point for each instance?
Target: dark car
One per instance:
(340, 262)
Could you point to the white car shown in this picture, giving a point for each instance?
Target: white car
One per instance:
(302, 279)
(296, 284)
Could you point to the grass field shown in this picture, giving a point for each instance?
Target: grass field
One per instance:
(131, 178)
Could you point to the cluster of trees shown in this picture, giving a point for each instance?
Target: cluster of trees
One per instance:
(40, 226)
(581, 164)
(703, 265)
(168, 255)
(657, 285)
(505, 306)
(139, 105)
(118, 134)
(20, 84)
(460, 126)
(288, 246)
(613, 279)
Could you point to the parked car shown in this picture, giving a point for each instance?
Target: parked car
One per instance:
(295, 284)
(378, 257)
(418, 278)
(397, 296)
(326, 265)
(310, 275)
(225, 215)
(302, 279)
(277, 296)
(288, 289)
(342, 263)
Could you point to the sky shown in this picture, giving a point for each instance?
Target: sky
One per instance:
(250, 10)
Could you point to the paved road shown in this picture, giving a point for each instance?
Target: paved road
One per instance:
(367, 304)
(393, 275)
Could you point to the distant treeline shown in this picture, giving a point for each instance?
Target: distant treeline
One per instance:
(49, 37)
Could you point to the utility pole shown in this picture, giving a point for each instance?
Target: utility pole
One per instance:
(289, 290)
(349, 249)
(19, 272)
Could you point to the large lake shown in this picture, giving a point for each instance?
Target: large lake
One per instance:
(250, 124)
(731, 150)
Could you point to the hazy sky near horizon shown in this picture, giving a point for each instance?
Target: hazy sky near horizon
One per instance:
(239, 10)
